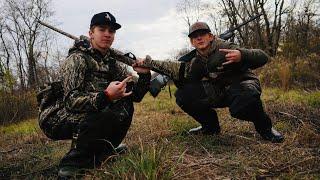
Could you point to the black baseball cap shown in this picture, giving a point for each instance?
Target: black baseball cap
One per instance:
(198, 26)
(104, 18)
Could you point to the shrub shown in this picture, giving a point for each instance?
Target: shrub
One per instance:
(17, 106)
(285, 73)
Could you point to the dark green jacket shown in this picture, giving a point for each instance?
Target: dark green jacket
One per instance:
(210, 67)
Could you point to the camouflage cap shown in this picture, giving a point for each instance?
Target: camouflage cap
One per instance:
(104, 18)
(198, 26)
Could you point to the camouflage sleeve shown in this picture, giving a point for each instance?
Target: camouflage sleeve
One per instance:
(170, 68)
(77, 97)
(140, 88)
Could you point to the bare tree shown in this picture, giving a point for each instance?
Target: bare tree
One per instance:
(5, 54)
(301, 32)
(190, 10)
(264, 33)
(266, 30)
(25, 33)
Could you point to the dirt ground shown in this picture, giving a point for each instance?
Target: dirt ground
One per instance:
(161, 148)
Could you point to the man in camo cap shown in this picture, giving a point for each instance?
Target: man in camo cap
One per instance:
(218, 74)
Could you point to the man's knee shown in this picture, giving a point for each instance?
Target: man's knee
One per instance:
(56, 130)
(106, 125)
(182, 98)
(243, 107)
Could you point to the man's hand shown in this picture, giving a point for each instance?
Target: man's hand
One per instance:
(117, 89)
(137, 66)
(232, 56)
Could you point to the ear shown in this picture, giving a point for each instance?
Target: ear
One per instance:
(212, 37)
(191, 41)
(91, 33)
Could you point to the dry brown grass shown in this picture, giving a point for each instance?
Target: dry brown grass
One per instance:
(295, 72)
(16, 106)
(160, 148)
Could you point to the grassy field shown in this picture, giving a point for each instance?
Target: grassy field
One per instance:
(161, 148)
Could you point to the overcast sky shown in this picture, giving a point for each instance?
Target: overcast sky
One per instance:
(148, 27)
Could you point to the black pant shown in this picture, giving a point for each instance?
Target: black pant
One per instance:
(97, 136)
(103, 131)
(97, 131)
(242, 98)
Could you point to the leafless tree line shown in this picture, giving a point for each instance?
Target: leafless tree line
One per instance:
(288, 27)
(284, 25)
(24, 44)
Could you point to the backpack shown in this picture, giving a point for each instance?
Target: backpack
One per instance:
(50, 101)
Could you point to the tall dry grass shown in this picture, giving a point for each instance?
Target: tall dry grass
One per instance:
(291, 73)
(17, 106)
(161, 148)
(285, 75)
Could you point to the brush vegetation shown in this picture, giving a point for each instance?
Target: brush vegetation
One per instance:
(161, 148)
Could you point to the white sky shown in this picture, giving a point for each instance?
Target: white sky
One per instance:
(148, 27)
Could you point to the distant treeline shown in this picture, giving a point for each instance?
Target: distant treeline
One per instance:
(287, 31)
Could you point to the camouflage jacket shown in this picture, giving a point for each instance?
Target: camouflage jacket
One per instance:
(210, 67)
(86, 73)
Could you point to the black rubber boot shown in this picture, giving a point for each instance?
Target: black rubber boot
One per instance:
(272, 135)
(190, 100)
(83, 155)
(255, 113)
(104, 155)
(205, 131)
(268, 132)
(74, 163)
(121, 149)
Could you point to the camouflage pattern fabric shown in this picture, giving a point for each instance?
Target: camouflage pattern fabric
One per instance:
(84, 75)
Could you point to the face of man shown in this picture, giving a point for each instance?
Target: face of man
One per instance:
(201, 40)
(102, 37)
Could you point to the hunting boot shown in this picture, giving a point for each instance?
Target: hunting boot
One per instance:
(74, 163)
(108, 151)
(263, 124)
(255, 113)
(205, 131)
(268, 133)
(209, 123)
(121, 149)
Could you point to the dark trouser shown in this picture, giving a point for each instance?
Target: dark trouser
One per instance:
(189, 99)
(103, 131)
(97, 134)
(242, 98)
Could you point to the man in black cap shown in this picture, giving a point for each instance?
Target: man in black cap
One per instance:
(218, 74)
(98, 99)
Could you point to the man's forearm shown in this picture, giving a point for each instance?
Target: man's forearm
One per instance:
(253, 58)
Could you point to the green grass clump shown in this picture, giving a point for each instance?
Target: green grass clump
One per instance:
(21, 128)
(146, 162)
(300, 97)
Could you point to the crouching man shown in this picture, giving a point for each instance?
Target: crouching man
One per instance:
(98, 99)
(219, 75)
